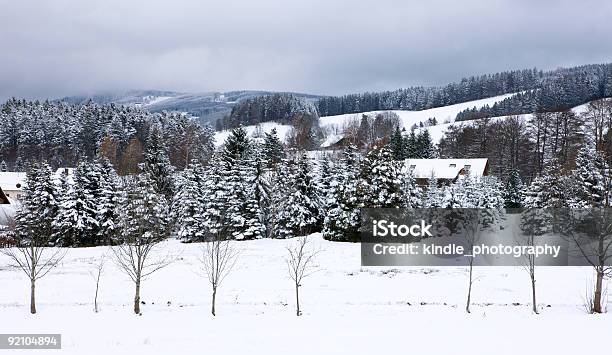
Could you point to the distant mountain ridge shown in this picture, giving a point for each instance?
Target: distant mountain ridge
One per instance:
(207, 106)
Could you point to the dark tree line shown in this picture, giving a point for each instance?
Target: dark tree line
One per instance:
(420, 98)
(554, 90)
(280, 108)
(558, 91)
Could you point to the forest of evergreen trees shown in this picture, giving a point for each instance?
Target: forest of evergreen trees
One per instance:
(281, 108)
(64, 134)
(553, 90)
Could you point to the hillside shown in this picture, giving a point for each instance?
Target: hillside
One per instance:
(333, 126)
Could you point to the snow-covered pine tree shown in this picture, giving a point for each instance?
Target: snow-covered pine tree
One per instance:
(380, 184)
(433, 194)
(242, 212)
(3, 167)
(300, 211)
(592, 179)
(326, 184)
(188, 204)
(413, 195)
(397, 145)
(549, 190)
(513, 190)
(410, 146)
(343, 219)
(425, 148)
(34, 220)
(144, 216)
(259, 180)
(236, 146)
(157, 164)
(88, 191)
(110, 199)
(66, 224)
(273, 149)
(215, 196)
(490, 199)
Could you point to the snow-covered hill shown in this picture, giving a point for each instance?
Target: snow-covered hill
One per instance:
(333, 125)
(445, 114)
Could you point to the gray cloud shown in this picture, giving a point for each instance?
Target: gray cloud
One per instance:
(64, 47)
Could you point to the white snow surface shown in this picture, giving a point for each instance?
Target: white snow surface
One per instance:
(10, 180)
(281, 130)
(445, 114)
(443, 168)
(348, 309)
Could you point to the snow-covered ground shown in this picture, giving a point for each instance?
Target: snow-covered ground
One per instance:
(281, 130)
(347, 309)
(445, 114)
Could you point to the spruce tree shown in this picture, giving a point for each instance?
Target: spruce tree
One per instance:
(157, 164)
(300, 211)
(397, 145)
(34, 220)
(110, 199)
(513, 190)
(592, 179)
(188, 204)
(273, 149)
(343, 220)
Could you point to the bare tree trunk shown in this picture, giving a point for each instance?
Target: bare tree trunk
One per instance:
(297, 300)
(214, 299)
(533, 295)
(598, 290)
(137, 298)
(33, 297)
(469, 295)
(96, 296)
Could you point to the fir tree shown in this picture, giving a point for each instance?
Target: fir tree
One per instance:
(343, 220)
(34, 221)
(433, 194)
(513, 190)
(300, 211)
(188, 204)
(236, 146)
(397, 145)
(273, 149)
(592, 179)
(110, 199)
(157, 164)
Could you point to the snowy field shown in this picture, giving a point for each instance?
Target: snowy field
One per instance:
(347, 309)
(281, 130)
(444, 114)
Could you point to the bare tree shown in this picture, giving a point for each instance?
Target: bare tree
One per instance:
(96, 273)
(134, 259)
(531, 221)
(218, 258)
(471, 220)
(300, 264)
(144, 225)
(591, 231)
(36, 260)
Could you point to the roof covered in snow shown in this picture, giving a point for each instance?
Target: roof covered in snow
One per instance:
(444, 168)
(12, 181)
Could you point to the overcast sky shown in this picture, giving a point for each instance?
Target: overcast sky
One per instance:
(65, 47)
